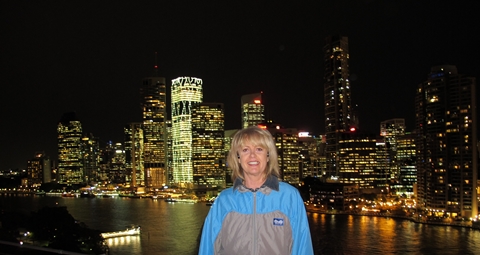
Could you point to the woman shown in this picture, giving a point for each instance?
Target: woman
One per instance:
(259, 214)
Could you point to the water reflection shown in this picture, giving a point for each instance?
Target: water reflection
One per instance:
(170, 229)
(125, 243)
(347, 234)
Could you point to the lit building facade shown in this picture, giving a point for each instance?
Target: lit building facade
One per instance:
(208, 149)
(186, 92)
(91, 158)
(135, 175)
(406, 162)
(252, 110)
(337, 97)
(311, 159)
(39, 170)
(106, 155)
(154, 101)
(70, 153)
(334, 196)
(117, 164)
(169, 171)
(113, 164)
(286, 141)
(391, 130)
(363, 160)
(447, 142)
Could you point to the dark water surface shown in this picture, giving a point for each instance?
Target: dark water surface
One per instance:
(174, 228)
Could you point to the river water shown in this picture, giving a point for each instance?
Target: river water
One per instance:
(174, 228)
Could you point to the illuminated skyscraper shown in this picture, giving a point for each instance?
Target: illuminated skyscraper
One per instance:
(208, 156)
(363, 160)
(252, 110)
(391, 130)
(187, 93)
(70, 158)
(406, 162)
(337, 95)
(446, 144)
(39, 170)
(169, 172)
(91, 158)
(286, 141)
(311, 156)
(113, 163)
(135, 175)
(154, 102)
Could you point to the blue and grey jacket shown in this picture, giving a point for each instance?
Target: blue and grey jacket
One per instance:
(269, 220)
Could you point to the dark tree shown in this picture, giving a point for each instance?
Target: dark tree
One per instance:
(63, 232)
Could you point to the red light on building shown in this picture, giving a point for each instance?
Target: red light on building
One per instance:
(352, 129)
(257, 101)
(262, 126)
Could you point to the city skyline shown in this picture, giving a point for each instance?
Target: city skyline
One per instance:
(91, 58)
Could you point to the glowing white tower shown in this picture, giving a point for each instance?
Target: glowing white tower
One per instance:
(186, 93)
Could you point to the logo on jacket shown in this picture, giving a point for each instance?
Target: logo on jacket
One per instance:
(277, 221)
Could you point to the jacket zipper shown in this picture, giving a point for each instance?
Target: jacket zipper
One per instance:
(255, 239)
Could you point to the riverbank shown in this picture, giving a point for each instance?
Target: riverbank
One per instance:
(465, 224)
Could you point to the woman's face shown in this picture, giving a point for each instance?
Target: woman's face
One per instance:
(253, 159)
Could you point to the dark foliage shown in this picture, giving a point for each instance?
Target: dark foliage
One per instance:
(50, 223)
(10, 222)
(54, 226)
(10, 182)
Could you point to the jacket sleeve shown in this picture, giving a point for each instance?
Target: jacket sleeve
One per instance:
(302, 240)
(206, 239)
(211, 229)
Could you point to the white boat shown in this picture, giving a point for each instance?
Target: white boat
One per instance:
(170, 200)
(186, 200)
(128, 232)
(181, 200)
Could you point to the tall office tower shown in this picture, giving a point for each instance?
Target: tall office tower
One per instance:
(91, 158)
(186, 93)
(406, 161)
(169, 171)
(252, 110)
(106, 155)
(117, 168)
(286, 141)
(208, 156)
(363, 160)
(70, 158)
(391, 130)
(447, 159)
(39, 170)
(337, 95)
(154, 102)
(135, 175)
(310, 157)
(113, 166)
(322, 161)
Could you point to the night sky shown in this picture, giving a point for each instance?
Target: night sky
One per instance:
(91, 56)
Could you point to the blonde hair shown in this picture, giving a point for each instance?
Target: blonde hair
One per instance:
(257, 137)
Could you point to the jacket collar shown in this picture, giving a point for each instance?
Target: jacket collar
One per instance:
(270, 184)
